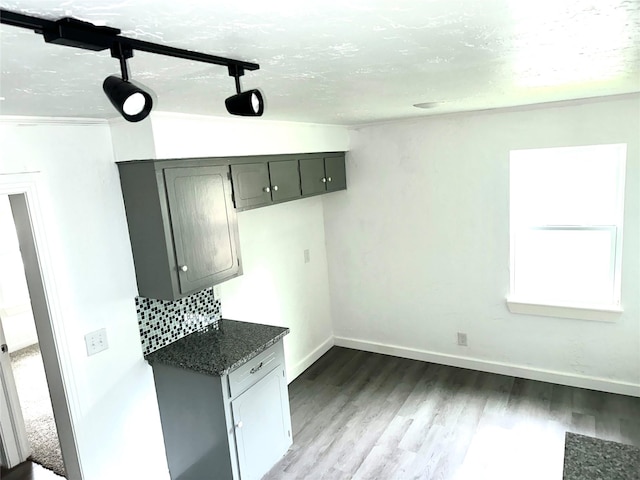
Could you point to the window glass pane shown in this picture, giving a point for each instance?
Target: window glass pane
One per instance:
(565, 265)
(567, 186)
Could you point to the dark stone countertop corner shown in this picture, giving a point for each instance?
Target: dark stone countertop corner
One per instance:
(218, 351)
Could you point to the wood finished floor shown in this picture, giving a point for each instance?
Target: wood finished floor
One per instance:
(28, 471)
(359, 415)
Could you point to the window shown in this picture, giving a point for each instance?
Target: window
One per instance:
(566, 210)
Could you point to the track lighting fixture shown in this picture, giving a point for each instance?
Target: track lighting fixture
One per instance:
(133, 103)
(246, 104)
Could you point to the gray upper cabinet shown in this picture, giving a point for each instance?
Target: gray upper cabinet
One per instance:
(335, 171)
(182, 226)
(323, 174)
(202, 218)
(251, 185)
(285, 180)
(264, 183)
(181, 215)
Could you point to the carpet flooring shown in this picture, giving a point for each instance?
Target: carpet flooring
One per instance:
(35, 402)
(589, 458)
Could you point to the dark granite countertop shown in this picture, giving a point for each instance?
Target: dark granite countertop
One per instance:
(588, 458)
(217, 351)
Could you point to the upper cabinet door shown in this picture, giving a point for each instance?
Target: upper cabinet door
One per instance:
(312, 176)
(285, 180)
(335, 172)
(251, 184)
(323, 174)
(203, 225)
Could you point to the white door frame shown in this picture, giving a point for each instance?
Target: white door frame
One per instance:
(14, 444)
(23, 190)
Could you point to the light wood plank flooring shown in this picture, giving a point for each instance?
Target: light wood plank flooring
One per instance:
(369, 416)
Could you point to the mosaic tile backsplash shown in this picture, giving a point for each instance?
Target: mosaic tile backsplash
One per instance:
(162, 322)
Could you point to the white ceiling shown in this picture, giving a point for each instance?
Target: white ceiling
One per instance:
(330, 61)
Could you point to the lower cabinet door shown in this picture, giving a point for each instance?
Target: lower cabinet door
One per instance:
(262, 425)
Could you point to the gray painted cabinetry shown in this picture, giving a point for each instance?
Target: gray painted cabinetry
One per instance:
(234, 426)
(259, 184)
(323, 174)
(182, 213)
(182, 225)
(261, 181)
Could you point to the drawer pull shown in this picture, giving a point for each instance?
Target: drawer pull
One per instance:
(256, 368)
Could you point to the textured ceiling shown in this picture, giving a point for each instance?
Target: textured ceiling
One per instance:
(333, 62)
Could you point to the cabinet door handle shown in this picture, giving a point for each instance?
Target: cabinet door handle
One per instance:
(324, 180)
(328, 179)
(239, 424)
(266, 189)
(184, 268)
(256, 368)
(275, 188)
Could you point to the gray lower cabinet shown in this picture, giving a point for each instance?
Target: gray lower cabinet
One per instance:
(322, 174)
(234, 427)
(262, 425)
(260, 184)
(182, 226)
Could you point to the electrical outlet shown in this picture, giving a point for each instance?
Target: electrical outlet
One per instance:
(96, 341)
(307, 256)
(462, 339)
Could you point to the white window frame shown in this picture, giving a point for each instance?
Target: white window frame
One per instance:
(583, 311)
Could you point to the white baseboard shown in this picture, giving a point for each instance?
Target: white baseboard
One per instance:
(309, 360)
(572, 380)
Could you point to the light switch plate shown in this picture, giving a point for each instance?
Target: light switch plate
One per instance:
(307, 256)
(96, 341)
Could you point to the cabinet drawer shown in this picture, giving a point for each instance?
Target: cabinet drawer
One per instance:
(248, 374)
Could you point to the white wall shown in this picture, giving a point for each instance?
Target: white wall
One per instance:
(180, 136)
(112, 393)
(418, 247)
(277, 287)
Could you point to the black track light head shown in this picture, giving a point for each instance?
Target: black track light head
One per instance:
(133, 103)
(246, 104)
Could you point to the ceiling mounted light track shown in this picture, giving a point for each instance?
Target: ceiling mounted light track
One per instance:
(133, 103)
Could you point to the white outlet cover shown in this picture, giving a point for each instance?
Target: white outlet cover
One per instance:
(96, 341)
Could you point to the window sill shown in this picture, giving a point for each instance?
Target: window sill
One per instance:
(597, 313)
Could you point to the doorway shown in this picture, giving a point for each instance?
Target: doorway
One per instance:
(21, 338)
(22, 194)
